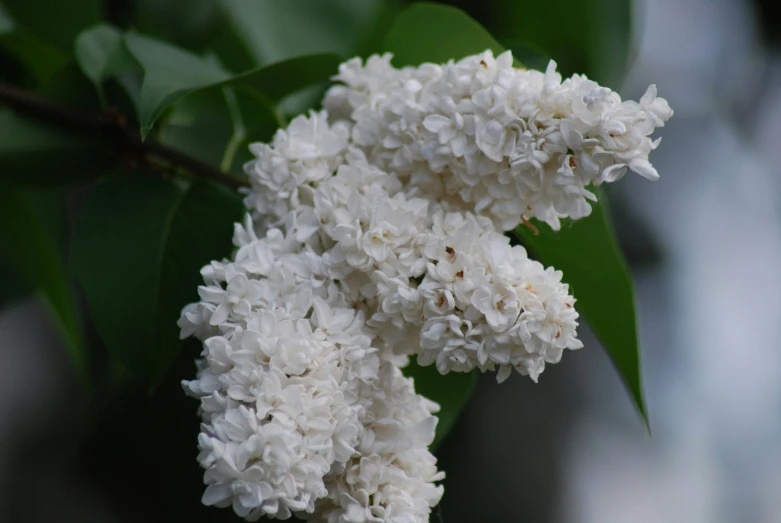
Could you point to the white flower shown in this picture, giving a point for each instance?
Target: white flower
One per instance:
(311, 138)
(375, 234)
(393, 478)
(289, 410)
(499, 303)
(226, 301)
(484, 304)
(292, 394)
(451, 342)
(308, 151)
(510, 143)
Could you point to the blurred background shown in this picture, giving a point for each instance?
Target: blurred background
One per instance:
(703, 243)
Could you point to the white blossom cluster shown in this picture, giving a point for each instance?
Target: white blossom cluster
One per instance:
(505, 142)
(300, 415)
(375, 233)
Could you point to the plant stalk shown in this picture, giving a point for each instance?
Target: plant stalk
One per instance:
(113, 126)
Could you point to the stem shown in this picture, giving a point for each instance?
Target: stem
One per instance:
(230, 151)
(113, 126)
(239, 132)
(279, 116)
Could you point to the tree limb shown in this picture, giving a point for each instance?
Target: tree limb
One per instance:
(112, 126)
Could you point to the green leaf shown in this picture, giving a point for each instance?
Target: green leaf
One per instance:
(69, 87)
(13, 287)
(592, 37)
(277, 80)
(33, 153)
(13, 71)
(33, 250)
(41, 58)
(436, 33)
(195, 31)
(528, 55)
(239, 133)
(139, 245)
(201, 126)
(451, 391)
(101, 54)
(586, 252)
(171, 74)
(273, 30)
(209, 125)
(373, 42)
(55, 22)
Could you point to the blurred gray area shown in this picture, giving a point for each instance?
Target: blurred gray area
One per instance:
(571, 449)
(39, 424)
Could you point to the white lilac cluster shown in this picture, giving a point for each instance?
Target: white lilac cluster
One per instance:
(509, 143)
(300, 415)
(375, 233)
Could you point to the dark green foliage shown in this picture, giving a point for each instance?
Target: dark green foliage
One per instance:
(102, 55)
(139, 245)
(171, 73)
(273, 31)
(36, 153)
(33, 252)
(55, 22)
(429, 32)
(583, 36)
(12, 283)
(40, 57)
(586, 252)
(206, 85)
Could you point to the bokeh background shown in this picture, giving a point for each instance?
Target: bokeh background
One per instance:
(703, 243)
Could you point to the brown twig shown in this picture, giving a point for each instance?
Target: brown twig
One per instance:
(112, 126)
(529, 225)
